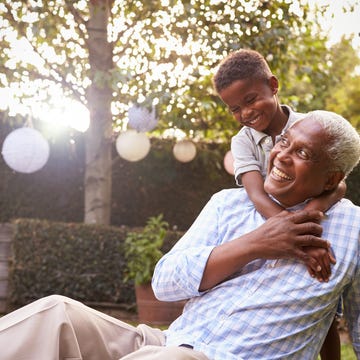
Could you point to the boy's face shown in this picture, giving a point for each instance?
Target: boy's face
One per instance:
(252, 102)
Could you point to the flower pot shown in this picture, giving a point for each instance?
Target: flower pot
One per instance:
(153, 311)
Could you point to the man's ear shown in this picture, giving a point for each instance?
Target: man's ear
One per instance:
(333, 179)
(274, 84)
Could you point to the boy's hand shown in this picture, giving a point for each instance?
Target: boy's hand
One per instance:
(320, 266)
(327, 199)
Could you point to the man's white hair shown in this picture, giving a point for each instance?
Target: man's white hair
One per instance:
(343, 140)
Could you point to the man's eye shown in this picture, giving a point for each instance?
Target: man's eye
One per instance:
(303, 154)
(283, 141)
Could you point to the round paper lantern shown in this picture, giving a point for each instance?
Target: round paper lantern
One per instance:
(229, 163)
(25, 150)
(132, 145)
(184, 151)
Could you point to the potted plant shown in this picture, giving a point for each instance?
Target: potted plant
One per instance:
(143, 249)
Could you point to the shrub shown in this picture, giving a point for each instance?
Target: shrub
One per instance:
(84, 262)
(143, 249)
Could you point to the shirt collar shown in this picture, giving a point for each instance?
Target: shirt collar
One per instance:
(258, 136)
(292, 208)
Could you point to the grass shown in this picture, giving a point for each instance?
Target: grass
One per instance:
(347, 352)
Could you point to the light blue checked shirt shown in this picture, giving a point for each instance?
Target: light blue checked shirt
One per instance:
(272, 309)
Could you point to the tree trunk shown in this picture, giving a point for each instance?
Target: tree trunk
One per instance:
(98, 172)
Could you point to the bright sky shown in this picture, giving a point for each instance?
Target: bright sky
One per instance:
(341, 24)
(75, 115)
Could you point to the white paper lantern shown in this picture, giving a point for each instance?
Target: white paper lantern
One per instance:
(229, 163)
(25, 150)
(132, 145)
(184, 151)
(141, 119)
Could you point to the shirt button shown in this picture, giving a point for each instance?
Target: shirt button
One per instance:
(267, 141)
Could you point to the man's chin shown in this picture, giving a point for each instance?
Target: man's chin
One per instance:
(278, 192)
(270, 187)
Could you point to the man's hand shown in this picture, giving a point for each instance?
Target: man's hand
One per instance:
(286, 235)
(290, 235)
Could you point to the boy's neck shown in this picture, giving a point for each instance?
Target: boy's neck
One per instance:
(281, 118)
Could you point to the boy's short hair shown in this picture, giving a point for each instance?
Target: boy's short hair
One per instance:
(239, 65)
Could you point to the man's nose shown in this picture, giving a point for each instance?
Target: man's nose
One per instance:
(283, 154)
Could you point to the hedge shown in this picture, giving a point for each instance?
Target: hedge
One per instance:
(84, 262)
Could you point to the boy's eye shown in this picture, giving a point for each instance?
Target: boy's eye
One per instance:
(251, 100)
(235, 110)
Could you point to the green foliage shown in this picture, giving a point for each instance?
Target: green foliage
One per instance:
(323, 78)
(84, 262)
(353, 189)
(143, 250)
(112, 54)
(343, 93)
(165, 54)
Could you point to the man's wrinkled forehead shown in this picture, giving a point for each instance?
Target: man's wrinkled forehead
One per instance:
(310, 134)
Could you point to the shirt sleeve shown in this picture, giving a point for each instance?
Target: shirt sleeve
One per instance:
(178, 274)
(351, 299)
(243, 149)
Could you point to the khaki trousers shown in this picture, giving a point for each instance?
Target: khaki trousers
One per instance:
(56, 327)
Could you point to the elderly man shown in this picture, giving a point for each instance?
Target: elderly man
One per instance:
(248, 290)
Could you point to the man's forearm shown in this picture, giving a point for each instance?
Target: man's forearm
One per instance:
(227, 259)
(282, 236)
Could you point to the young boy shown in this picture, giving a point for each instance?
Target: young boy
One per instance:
(247, 86)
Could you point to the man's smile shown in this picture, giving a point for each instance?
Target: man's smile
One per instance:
(277, 174)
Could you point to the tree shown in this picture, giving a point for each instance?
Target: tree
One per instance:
(334, 87)
(344, 93)
(110, 54)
